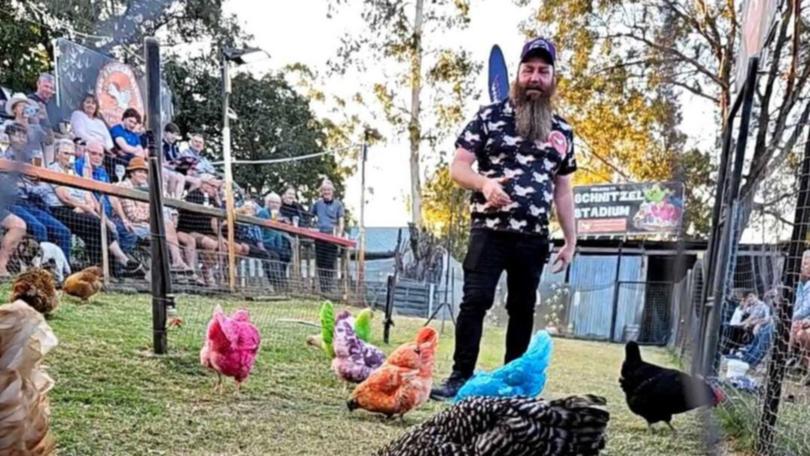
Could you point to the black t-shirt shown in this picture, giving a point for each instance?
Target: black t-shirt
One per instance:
(288, 211)
(194, 222)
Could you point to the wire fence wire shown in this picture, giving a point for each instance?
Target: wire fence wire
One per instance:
(762, 358)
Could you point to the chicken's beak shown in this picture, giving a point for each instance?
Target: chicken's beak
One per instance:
(351, 404)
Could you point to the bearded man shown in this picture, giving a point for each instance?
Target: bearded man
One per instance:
(525, 156)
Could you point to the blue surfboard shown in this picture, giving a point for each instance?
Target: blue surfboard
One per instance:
(498, 84)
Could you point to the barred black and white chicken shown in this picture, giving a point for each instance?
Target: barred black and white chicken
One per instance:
(515, 426)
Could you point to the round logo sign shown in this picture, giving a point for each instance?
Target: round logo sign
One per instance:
(117, 90)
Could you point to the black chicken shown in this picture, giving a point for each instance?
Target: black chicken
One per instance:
(656, 393)
(512, 426)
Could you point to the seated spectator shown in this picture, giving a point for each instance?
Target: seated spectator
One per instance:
(14, 233)
(88, 125)
(175, 181)
(275, 241)
(205, 229)
(28, 205)
(135, 216)
(291, 211)
(760, 323)
(25, 113)
(192, 158)
(110, 206)
(127, 140)
(800, 325)
(81, 213)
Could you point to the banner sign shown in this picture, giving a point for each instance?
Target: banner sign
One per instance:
(635, 208)
(498, 83)
(117, 86)
(758, 18)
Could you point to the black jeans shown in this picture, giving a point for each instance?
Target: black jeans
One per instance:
(490, 253)
(326, 259)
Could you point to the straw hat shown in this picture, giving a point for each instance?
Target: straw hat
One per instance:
(16, 98)
(136, 164)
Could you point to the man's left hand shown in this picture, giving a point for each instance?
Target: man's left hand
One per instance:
(563, 258)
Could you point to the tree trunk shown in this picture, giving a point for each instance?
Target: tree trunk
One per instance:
(414, 128)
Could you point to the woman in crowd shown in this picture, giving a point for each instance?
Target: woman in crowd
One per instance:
(291, 211)
(89, 126)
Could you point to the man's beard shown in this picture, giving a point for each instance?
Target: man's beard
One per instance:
(533, 112)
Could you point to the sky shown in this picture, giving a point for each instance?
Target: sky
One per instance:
(300, 32)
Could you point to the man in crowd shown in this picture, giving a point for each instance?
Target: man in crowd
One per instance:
(194, 155)
(127, 139)
(525, 155)
(174, 178)
(329, 218)
(46, 89)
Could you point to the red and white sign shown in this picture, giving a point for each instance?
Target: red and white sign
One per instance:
(117, 90)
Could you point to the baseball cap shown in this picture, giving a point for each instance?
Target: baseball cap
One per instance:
(539, 47)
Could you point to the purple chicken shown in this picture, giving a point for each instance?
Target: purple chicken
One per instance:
(354, 359)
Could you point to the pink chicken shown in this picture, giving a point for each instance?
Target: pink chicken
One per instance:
(231, 345)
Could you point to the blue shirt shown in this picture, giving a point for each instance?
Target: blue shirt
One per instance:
(801, 310)
(328, 214)
(130, 137)
(273, 240)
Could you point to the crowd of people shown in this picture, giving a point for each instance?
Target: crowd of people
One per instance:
(751, 330)
(88, 147)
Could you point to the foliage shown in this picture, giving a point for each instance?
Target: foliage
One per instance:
(445, 211)
(692, 47)
(274, 121)
(408, 45)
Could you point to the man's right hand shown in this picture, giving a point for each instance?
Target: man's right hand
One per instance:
(494, 193)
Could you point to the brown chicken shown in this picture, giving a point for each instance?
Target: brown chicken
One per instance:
(404, 380)
(25, 338)
(85, 283)
(37, 288)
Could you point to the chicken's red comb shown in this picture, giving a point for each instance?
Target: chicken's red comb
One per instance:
(427, 335)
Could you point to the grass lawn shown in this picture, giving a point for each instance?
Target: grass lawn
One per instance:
(113, 398)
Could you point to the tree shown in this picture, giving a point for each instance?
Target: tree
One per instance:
(692, 46)
(274, 122)
(406, 38)
(446, 210)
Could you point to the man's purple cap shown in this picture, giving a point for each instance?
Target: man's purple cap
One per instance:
(539, 47)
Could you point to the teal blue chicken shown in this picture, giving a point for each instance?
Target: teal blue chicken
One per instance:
(525, 376)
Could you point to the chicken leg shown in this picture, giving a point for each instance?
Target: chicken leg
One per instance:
(674, 432)
(218, 384)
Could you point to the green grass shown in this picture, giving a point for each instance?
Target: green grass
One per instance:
(113, 398)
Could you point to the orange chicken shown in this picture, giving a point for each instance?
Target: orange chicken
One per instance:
(404, 380)
(84, 283)
(37, 288)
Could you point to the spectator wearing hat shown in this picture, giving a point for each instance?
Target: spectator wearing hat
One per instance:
(127, 140)
(27, 203)
(24, 113)
(88, 125)
(135, 214)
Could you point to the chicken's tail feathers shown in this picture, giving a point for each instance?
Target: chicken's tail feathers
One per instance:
(362, 324)
(632, 353)
(327, 316)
